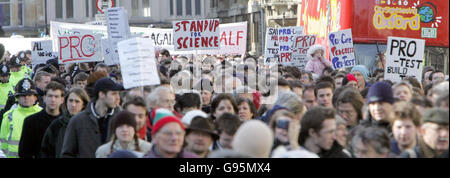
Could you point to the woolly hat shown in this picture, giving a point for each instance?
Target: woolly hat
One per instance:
(380, 92)
(362, 69)
(122, 154)
(124, 118)
(187, 118)
(165, 120)
(349, 78)
(253, 138)
(313, 49)
(159, 113)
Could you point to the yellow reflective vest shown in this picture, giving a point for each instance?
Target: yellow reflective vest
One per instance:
(5, 89)
(11, 129)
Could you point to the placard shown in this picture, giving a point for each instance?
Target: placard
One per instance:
(404, 57)
(196, 34)
(233, 40)
(118, 29)
(80, 48)
(286, 39)
(341, 49)
(138, 63)
(41, 51)
(272, 47)
(301, 46)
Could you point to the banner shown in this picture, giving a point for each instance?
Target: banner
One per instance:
(404, 57)
(60, 28)
(341, 49)
(196, 34)
(138, 63)
(301, 46)
(118, 29)
(41, 51)
(80, 48)
(15, 45)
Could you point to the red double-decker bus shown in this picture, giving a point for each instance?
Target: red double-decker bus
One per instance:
(373, 21)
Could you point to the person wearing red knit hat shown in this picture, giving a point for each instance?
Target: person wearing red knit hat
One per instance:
(168, 138)
(350, 80)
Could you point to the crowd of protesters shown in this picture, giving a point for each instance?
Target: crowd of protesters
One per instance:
(222, 108)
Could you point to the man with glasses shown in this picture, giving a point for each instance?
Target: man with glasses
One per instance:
(168, 138)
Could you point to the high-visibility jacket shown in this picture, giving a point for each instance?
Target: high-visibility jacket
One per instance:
(26, 71)
(11, 129)
(5, 90)
(16, 77)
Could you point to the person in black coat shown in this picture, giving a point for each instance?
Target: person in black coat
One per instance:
(35, 125)
(75, 101)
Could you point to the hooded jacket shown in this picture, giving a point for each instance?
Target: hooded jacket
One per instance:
(315, 65)
(83, 135)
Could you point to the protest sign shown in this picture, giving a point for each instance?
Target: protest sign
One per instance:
(118, 29)
(61, 28)
(162, 38)
(301, 46)
(41, 52)
(137, 63)
(233, 39)
(404, 57)
(80, 48)
(286, 39)
(196, 34)
(341, 49)
(15, 45)
(272, 47)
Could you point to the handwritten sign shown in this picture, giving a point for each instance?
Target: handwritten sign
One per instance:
(138, 63)
(272, 48)
(286, 39)
(301, 46)
(118, 29)
(341, 49)
(41, 52)
(80, 48)
(196, 34)
(233, 39)
(404, 57)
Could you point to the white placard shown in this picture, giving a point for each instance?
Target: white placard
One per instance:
(196, 34)
(341, 49)
(286, 39)
(138, 63)
(233, 39)
(404, 58)
(301, 46)
(41, 51)
(272, 47)
(80, 48)
(118, 29)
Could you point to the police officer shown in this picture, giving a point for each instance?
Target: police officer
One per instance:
(6, 89)
(11, 127)
(24, 59)
(17, 73)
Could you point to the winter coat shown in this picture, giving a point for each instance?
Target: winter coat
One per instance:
(336, 151)
(83, 135)
(105, 150)
(421, 150)
(11, 128)
(53, 140)
(34, 128)
(317, 66)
